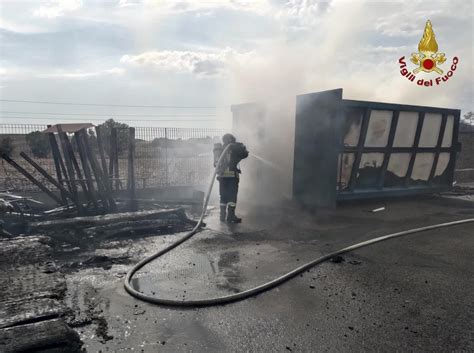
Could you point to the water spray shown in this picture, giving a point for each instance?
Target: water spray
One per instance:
(266, 162)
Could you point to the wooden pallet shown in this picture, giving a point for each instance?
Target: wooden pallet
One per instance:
(31, 304)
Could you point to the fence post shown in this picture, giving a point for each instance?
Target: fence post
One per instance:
(166, 156)
(131, 170)
(114, 170)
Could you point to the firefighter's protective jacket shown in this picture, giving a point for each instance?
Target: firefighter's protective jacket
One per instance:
(229, 167)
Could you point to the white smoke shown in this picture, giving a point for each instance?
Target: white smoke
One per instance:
(354, 46)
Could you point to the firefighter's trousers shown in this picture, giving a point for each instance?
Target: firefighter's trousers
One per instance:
(228, 189)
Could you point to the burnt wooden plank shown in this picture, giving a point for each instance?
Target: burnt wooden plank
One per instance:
(70, 169)
(27, 310)
(58, 163)
(45, 174)
(31, 178)
(105, 219)
(29, 282)
(177, 221)
(102, 183)
(31, 299)
(23, 250)
(85, 168)
(26, 271)
(68, 150)
(39, 336)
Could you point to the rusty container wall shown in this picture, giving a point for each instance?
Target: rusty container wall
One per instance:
(394, 149)
(267, 129)
(315, 152)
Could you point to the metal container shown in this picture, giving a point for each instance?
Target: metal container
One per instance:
(347, 149)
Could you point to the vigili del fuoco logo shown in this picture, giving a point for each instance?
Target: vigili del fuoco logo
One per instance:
(428, 60)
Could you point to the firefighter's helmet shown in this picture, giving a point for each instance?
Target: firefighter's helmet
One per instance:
(228, 138)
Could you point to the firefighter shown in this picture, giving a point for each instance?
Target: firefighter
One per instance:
(228, 176)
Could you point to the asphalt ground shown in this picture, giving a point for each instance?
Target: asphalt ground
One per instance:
(407, 294)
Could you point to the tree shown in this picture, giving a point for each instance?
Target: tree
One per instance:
(39, 144)
(466, 123)
(6, 146)
(122, 135)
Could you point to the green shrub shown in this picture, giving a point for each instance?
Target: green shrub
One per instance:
(39, 144)
(6, 146)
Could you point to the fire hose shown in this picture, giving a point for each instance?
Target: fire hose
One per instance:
(265, 286)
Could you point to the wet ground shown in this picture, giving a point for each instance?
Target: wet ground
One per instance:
(408, 294)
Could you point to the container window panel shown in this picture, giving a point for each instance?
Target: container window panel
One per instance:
(448, 132)
(344, 170)
(441, 175)
(422, 167)
(397, 169)
(378, 128)
(430, 130)
(369, 170)
(443, 161)
(351, 126)
(406, 129)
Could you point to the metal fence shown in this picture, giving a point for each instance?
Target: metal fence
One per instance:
(163, 156)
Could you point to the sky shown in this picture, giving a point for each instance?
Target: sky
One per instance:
(184, 63)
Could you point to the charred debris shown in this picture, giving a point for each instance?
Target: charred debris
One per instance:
(87, 196)
(44, 236)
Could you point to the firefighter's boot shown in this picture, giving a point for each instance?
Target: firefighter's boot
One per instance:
(223, 213)
(231, 217)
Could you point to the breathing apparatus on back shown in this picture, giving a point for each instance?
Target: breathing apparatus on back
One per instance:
(237, 151)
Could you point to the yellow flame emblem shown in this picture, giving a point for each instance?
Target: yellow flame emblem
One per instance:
(428, 57)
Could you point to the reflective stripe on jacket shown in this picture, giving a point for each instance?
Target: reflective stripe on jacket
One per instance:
(227, 173)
